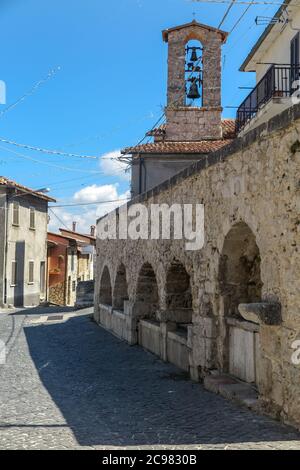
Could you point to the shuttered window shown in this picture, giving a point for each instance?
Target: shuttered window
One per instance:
(16, 213)
(14, 271)
(31, 272)
(295, 57)
(32, 218)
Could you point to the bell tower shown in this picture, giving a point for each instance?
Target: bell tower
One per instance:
(194, 82)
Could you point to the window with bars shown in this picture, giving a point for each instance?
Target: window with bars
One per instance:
(14, 273)
(16, 214)
(32, 218)
(31, 272)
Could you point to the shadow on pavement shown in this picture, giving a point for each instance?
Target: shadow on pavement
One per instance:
(116, 395)
(44, 310)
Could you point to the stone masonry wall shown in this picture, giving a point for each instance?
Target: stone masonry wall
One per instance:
(254, 180)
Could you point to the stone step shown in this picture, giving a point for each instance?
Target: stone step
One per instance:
(232, 389)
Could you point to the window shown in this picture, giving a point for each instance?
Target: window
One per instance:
(295, 58)
(32, 218)
(73, 286)
(61, 261)
(16, 215)
(72, 261)
(31, 272)
(42, 277)
(14, 273)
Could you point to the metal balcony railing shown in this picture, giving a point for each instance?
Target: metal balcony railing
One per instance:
(279, 81)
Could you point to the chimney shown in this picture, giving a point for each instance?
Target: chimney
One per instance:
(93, 228)
(74, 226)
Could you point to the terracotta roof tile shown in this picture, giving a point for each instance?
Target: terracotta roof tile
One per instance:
(228, 127)
(13, 184)
(204, 146)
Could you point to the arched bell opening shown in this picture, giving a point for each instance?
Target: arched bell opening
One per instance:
(194, 73)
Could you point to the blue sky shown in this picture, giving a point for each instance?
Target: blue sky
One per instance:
(110, 88)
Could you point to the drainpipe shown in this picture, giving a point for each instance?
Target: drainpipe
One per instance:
(140, 175)
(6, 250)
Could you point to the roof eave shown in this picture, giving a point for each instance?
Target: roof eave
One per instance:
(261, 39)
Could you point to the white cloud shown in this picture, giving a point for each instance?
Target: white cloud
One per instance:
(86, 216)
(111, 166)
(94, 193)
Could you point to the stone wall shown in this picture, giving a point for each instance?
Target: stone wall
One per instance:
(254, 183)
(57, 294)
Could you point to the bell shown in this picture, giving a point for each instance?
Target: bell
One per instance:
(194, 56)
(194, 94)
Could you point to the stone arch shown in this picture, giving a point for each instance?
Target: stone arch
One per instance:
(239, 269)
(147, 291)
(179, 300)
(120, 288)
(105, 296)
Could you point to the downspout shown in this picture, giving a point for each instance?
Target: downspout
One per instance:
(6, 250)
(140, 174)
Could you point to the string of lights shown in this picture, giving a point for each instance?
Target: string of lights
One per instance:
(53, 165)
(49, 152)
(32, 90)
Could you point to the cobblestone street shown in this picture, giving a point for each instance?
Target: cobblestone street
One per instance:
(68, 384)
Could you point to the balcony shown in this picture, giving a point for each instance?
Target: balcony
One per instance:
(280, 82)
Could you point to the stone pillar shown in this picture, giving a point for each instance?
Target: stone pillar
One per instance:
(176, 71)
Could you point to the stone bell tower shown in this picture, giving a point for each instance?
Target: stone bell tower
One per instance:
(187, 121)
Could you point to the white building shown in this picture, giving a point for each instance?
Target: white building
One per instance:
(275, 60)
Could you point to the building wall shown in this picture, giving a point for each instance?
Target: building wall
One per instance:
(72, 276)
(2, 242)
(23, 245)
(254, 182)
(276, 48)
(57, 266)
(157, 168)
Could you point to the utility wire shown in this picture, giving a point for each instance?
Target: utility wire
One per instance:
(242, 2)
(58, 218)
(89, 203)
(241, 17)
(226, 13)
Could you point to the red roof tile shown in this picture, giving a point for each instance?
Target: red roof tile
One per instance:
(13, 184)
(203, 146)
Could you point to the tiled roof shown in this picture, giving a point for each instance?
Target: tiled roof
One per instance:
(193, 23)
(13, 184)
(228, 128)
(203, 146)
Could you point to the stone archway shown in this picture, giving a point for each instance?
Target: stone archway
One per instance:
(240, 283)
(147, 292)
(120, 289)
(105, 296)
(178, 295)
